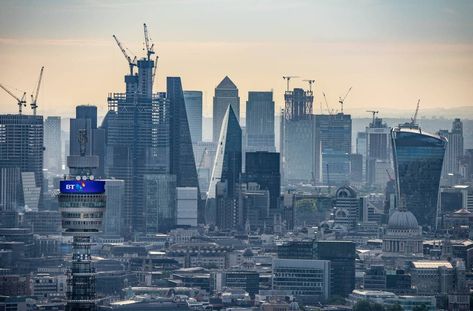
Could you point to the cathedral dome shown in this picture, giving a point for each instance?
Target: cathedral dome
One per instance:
(403, 220)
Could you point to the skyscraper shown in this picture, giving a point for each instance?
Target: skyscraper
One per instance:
(260, 122)
(454, 150)
(263, 169)
(193, 100)
(224, 183)
(52, 142)
(226, 93)
(86, 119)
(378, 150)
(332, 137)
(21, 151)
(297, 136)
(418, 158)
(138, 140)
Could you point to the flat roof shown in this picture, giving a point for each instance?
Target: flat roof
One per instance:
(434, 264)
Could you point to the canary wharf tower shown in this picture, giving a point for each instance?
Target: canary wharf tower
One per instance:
(418, 159)
(82, 205)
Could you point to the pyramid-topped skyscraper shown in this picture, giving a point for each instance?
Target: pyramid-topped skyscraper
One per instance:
(226, 94)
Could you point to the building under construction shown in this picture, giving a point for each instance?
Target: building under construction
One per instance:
(297, 136)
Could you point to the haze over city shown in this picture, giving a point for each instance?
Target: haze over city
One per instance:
(391, 53)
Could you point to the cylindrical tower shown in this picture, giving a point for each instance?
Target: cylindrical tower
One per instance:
(82, 205)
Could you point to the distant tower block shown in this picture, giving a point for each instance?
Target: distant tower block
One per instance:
(82, 205)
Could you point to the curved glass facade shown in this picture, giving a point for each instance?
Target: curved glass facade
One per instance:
(418, 159)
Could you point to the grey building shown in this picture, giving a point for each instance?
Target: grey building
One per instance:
(454, 150)
(332, 136)
(21, 151)
(193, 100)
(113, 220)
(378, 152)
(160, 202)
(347, 208)
(260, 122)
(226, 94)
(53, 144)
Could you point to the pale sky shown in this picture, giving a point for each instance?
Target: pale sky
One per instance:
(390, 52)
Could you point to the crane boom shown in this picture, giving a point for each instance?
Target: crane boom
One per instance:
(414, 118)
(154, 69)
(342, 100)
(326, 104)
(21, 102)
(149, 46)
(34, 97)
(374, 112)
(310, 84)
(288, 78)
(131, 62)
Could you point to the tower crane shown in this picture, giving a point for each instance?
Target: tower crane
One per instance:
(21, 102)
(288, 78)
(148, 44)
(34, 97)
(310, 84)
(154, 69)
(342, 100)
(374, 112)
(131, 62)
(330, 112)
(414, 118)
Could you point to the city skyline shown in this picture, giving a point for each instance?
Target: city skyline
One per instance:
(389, 66)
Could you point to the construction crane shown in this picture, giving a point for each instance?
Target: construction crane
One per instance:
(21, 102)
(148, 44)
(34, 97)
(154, 69)
(310, 84)
(131, 62)
(374, 112)
(414, 118)
(389, 175)
(342, 100)
(330, 112)
(288, 78)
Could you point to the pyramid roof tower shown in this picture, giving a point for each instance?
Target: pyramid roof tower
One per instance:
(227, 84)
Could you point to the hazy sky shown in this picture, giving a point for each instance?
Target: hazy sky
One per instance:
(391, 52)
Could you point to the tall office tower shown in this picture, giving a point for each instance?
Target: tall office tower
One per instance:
(21, 151)
(260, 122)
(52, 143)
(454, 150)
(138, 140)
(361, 149)
(86, 119)
(263, 168)
(418, 158)
(82, 203)
(113, 220)
(226, 94)
(223, 192)
(193, 100)
(332, 138)
(378, 150)
(297, 136)
(347, 206)
(160, 202)
(182, 162)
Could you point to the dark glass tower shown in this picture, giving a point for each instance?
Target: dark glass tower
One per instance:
(418, 158)
(263, 168)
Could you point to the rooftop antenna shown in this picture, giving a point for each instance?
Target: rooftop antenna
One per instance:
(21, 102)
(342, 100)
(34, 98)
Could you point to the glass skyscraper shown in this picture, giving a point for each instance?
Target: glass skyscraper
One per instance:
(260, 121)
(418, 158)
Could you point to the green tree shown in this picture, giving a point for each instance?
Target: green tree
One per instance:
(395, 307)
(365, 305)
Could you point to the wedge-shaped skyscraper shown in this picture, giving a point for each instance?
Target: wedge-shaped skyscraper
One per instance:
(418, 159)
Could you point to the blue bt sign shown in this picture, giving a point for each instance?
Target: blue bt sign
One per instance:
(82, 186)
